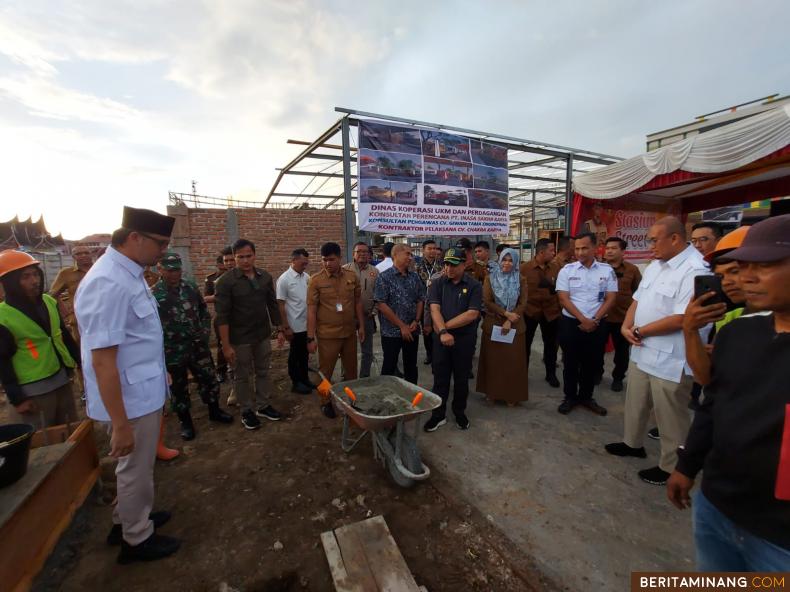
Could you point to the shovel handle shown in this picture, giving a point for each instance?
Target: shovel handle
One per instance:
(350, 393)
(417, 399)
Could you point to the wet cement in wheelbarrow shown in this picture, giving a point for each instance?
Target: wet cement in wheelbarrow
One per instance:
(380, 401)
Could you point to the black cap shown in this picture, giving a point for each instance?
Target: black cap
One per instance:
(147, 221)
(463, 243)
(767, 241)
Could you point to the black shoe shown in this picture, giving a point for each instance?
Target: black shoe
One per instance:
(566, 406)
(269, 413)
(623, 449)
(116, 532)
(311, 385)
(300, 389)
(594, 407)
(654, 434)
(249, 421)
(552, 380)
(187, 427)
(328, 410)
(218, 415)
(462, 421)
(434, 424)
(427, 361)
(617, 385)
(156, 546)
(654, 476)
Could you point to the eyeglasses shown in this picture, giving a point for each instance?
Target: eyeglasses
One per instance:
(162, 242)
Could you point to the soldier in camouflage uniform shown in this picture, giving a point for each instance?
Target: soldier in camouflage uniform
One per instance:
(186, 323)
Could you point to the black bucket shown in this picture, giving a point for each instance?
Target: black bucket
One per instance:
(14, 451)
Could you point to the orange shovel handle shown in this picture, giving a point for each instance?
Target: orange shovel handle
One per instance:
(350, 393)
(417, 399)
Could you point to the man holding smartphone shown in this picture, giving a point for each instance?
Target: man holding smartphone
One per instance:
(740, 438)
(653, 326)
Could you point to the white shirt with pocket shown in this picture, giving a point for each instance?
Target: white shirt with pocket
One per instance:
(114, 307)
(292, 289)
(665, 290)
(586, 286)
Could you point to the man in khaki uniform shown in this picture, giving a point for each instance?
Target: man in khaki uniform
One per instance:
(366, 275)
(65, 285)
(628, 278)
(543, 306)
(334, 311)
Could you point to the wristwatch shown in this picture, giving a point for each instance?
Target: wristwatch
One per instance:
(310, 339)
(443, 331)
(637, 334)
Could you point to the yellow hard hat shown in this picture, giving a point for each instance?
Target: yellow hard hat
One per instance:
(11, 260)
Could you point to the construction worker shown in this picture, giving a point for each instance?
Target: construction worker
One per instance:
(186, 324)
(37, 352)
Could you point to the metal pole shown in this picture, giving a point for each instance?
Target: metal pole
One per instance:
(521, 237)
(569, 195)
(350, 222)
(532, 234)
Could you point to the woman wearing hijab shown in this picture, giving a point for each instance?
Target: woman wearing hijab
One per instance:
(502, 370)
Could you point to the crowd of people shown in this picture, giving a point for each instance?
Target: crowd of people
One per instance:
(136, 336)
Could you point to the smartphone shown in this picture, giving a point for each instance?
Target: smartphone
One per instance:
(709, 283)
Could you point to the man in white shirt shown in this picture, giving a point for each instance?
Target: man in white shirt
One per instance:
(387, 263)
(653, 326)
(587, 289)
(125, 378)
(292, 299)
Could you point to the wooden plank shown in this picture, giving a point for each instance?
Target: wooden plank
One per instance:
(336, 565)
(28, 536)
(354, 558)
(53, 435)
(384, 558)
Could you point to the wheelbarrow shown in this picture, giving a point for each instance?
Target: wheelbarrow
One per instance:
(393, 445)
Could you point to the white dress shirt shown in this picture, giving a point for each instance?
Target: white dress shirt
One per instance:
(665, 290)
(586, 286)
(292, 289)
(114, 307)
(384, 265)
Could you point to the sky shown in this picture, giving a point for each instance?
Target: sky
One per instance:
(110, 103)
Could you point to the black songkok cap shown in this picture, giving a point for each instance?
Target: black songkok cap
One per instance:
(147, 221)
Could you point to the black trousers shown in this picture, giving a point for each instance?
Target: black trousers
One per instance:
(583, 358)
(222, 364)
(427, 341)
(297, 359)
(548, 329)
(392, 347)
(622, 350)
(453, 363)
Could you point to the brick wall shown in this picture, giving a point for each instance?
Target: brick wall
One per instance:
(275, 232)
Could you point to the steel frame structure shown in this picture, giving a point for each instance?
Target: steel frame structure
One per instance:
(323, 174)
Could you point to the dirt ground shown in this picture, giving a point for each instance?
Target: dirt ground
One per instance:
(236, 494)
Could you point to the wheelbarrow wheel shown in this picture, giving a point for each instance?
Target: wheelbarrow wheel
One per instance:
(410, 457)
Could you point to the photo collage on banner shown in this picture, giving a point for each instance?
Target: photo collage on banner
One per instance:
(421, 181)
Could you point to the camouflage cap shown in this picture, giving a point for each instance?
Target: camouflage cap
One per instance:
(454, 256)
(171, 261)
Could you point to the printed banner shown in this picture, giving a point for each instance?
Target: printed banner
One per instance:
(625, 218)
(422, 181)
